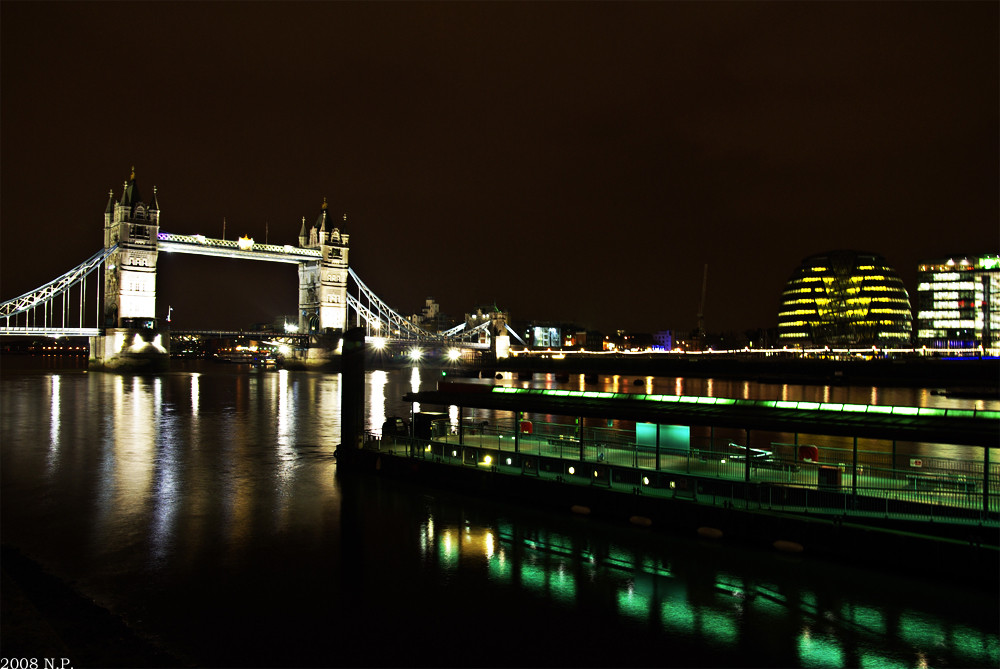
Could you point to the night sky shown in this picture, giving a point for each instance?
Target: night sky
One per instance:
(565, 161)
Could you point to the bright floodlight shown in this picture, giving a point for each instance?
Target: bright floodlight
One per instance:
(454, 354)
(415, 353)
(378, 343)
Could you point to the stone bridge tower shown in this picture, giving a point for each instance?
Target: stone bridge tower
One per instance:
(130, 272)
(130, 335)
(323, 284)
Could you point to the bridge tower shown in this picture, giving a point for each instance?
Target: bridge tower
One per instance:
(129, 309)
(130, 272)
(323, 284)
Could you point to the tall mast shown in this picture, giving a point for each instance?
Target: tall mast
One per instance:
(701, 307)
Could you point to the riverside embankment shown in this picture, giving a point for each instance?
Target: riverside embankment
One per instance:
(933, 372)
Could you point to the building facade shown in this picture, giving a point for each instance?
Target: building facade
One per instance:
(845, 299)
(957, 302)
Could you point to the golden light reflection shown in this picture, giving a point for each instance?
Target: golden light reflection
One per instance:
(195, 394)
(377, 380)
(52, 459)
(286, 432)
(129, 462)
(415, 379)
(325, 393)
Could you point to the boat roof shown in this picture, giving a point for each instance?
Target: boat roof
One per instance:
(966, 427)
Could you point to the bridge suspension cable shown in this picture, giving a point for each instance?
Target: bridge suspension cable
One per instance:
(381, 320)
(40, 309)
(47, 310)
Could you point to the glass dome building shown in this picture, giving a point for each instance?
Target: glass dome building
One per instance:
(845, 299)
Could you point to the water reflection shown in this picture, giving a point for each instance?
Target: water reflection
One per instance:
(377, 381)
(55, 423)
(166, 487)
(677, 595)
(415, 385)
(286, 430)
(146, 478)
(194, 394)
(134, 451)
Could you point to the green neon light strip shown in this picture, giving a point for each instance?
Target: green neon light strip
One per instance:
(774, 404)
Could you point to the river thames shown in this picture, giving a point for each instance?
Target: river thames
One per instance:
(203, 507)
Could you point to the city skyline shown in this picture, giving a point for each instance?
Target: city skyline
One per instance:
(570, 162)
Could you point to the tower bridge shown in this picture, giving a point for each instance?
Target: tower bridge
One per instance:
(111, 296)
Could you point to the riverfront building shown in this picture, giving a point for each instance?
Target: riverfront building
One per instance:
(845, 298)
(957, 302)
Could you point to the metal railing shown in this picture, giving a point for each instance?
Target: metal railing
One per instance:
(951, 489)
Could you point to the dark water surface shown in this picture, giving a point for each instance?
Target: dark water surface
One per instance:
(204, 507)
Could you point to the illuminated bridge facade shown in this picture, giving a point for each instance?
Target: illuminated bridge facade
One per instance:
(113, 293)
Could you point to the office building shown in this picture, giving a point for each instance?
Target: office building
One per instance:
(845, 299)
(957, 302)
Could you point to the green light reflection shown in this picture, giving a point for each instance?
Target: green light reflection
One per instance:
(866, 618)
(678, 614)
(499, 567)
(533, 576)
(719, 626)
(870, 660)
(448, 549)
(562, 585)
(981, 649)
(921, 632)
(819, 652)
(633, 604)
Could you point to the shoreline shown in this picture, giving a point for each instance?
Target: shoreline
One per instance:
(43, 616)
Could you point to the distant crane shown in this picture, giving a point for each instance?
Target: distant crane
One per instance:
(700, 332)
